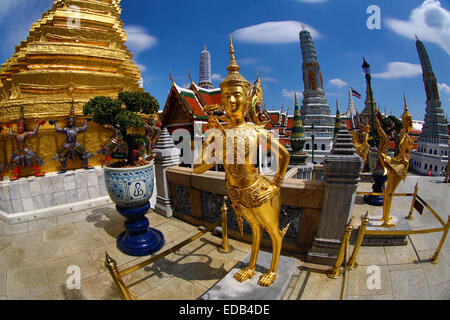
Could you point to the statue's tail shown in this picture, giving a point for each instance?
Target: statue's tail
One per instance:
(283, 232)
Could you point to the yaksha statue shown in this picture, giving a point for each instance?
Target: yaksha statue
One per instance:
(116, 144)
(396, 167)
(254, 197)
(72, 149)
(22, 156)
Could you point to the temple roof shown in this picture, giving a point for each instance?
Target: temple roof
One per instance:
(190, 102)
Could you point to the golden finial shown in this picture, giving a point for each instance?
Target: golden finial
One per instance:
(404, 99)
(171, 79)
(296, 101)
(406, 115)
(189, 75)
(233, 64)
(204, 47)
(234, 77)
(337, 105)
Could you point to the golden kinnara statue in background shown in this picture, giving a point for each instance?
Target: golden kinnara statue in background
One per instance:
(397, 167)
(361, 142)
(253, 196)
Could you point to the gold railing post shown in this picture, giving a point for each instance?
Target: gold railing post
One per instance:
(435, 258)
(416, 191)
(352, 261)
(111, 264)
(335, 272)
(225, 247)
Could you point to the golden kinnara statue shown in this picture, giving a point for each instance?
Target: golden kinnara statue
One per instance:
(397, 167)
(361, 142)
(253, 196)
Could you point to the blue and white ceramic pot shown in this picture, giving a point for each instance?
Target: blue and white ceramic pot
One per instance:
(131, 189)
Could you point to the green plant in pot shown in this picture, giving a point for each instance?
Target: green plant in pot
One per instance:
(130, 181)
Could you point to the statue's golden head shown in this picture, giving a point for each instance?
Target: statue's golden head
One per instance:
(236, 90)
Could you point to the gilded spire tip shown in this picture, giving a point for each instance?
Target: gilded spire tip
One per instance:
(404, 99)
(233, 64)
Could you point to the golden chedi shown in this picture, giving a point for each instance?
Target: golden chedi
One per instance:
(76, 50)
(235, 144)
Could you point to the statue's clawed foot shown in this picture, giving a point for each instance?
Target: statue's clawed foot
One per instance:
(267, 279)
(244, 274)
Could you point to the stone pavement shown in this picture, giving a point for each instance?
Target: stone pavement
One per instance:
(35, 258)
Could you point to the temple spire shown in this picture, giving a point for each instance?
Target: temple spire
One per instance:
(434, 129)
(205, 70)
(338, 122)
(351, 109)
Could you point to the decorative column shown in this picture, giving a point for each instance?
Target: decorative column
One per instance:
(342, 169)
(167, 155)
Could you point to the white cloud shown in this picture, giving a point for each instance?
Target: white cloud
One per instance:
(268, 79)
(444, 88)
(141, 67)
(6, 6)
(216, 77)
(273, 32)
(248, 61)
(338, 83)
(265, 69)
(397, 70)
(291, 94)
(24, 13)
(430, 22)
(138, 39)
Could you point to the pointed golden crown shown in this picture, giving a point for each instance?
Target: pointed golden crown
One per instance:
(234, 77)
(406, 114)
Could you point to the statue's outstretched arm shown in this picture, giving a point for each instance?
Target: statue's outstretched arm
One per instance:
(57, 128)
(35, 131)
(84, 127)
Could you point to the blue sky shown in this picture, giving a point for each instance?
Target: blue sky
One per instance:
(170, 35)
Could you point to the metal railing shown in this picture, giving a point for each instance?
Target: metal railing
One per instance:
(117, 275)
(418, 203)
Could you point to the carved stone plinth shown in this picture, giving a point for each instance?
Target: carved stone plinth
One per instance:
(401, 224)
